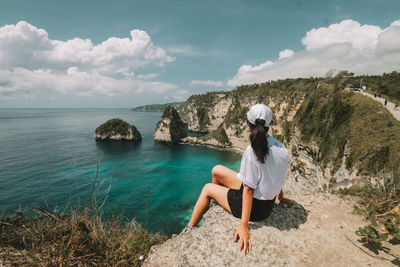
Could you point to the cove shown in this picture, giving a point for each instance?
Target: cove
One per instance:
(49, 157)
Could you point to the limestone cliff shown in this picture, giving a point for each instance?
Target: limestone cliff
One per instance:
(170, 128)
(331, 134)
(335, 138)
(117, 130)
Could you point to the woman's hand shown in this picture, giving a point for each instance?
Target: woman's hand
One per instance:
(243, 233)
(284, 200)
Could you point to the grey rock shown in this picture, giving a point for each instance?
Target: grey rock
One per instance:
(170, 128)
(313, 232)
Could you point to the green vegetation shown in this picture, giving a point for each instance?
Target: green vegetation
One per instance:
(81, 238)
(337, 120)
(159, 107)
(388, 84)
(381, 207)
(373, 235)
(324, 118)
(220, 135)
(204, 120)
(205, 100)
(171, 113)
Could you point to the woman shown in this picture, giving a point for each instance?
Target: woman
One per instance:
(249, 194)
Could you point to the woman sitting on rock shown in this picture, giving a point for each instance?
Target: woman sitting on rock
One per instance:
(249, 194)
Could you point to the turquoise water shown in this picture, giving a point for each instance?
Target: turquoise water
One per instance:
(49, 157)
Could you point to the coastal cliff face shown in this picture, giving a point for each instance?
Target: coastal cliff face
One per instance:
(117, 130)
(227, 111)
(170, 128)
(335, 138)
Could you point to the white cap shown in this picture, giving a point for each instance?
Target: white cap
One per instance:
(262, 112)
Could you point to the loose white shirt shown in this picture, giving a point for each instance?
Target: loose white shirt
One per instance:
(267, 179)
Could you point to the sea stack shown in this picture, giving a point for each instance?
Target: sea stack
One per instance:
(117, 130)
(170, 129)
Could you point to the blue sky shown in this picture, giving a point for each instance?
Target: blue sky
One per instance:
(182, 48)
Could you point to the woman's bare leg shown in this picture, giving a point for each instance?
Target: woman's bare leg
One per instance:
(218, 193)
(222, 175)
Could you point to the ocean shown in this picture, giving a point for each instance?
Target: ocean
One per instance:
(49, 157)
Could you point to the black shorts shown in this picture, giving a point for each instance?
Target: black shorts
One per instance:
(260, 209)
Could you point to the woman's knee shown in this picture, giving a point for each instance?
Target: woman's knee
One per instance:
(207, 189)
(216, 170)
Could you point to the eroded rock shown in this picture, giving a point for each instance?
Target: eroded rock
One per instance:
(170, 128)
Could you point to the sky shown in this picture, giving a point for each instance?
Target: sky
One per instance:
(122, 54)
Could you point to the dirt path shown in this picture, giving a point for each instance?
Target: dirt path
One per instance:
(390, 106)
(317, 231)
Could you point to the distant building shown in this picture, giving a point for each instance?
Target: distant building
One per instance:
(349, 87)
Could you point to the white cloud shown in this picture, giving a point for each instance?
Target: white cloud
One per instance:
(31, 61)
(363, 49)
(362, 37)
(20, 81)
(286, 53)
(208, 83)
(148, 76)
(185, 50)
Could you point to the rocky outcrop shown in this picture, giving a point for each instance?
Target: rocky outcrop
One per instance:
(217, 139)
(204, 113)
(317, 231)
(117, 130)
(170, 128)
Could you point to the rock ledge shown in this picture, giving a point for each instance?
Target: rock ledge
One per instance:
(318, 232)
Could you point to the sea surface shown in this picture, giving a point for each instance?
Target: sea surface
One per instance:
(49, 157)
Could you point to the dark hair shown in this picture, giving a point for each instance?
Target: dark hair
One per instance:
(258, 139)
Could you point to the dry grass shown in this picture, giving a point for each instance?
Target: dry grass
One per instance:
(81, 238)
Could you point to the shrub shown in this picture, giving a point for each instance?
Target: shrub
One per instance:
(220, 135)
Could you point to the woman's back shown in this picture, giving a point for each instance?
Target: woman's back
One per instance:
(266, 178)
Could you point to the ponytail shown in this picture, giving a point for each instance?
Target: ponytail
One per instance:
(258, 139)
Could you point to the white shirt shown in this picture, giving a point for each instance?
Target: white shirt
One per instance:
(267, 178)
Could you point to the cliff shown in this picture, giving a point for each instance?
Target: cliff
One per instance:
(170, 128)
(158, 107)
(317, 231)
(335, 139)
(332, 135)
(117, 130)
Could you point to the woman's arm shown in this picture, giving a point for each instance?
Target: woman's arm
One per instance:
(243, 232)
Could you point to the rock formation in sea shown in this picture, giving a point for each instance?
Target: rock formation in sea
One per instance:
(117, 130)
(170, 128)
